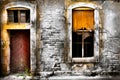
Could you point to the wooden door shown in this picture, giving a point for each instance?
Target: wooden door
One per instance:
(19, 50)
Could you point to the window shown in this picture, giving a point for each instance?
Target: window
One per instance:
(18, 15)
(82, 32)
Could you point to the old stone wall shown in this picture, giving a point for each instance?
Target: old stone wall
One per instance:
(111, 36)
(53, 34)
(52, 46)
(52, 29)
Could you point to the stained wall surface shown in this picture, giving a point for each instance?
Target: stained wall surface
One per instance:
(51, 47)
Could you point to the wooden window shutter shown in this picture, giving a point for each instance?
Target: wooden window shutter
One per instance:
(83, 20)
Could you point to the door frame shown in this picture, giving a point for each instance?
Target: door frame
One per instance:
(5, 34)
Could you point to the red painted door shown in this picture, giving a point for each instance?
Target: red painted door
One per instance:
(19, 50)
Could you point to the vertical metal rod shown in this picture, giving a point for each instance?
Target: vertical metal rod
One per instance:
(82, 43)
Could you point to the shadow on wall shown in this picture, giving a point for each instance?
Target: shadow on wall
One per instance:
(110, 0)
(0, 57)
(113, 0)
(117, 0)
(0, 46)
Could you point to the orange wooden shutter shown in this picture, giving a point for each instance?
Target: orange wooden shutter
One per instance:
(83, 19)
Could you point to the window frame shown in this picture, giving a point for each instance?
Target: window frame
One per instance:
(96, 8)
(19, 10)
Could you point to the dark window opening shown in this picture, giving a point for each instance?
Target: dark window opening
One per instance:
(76, 45)
(82, 44)
(89, 44)
(15, 16)
(19, 16)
